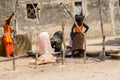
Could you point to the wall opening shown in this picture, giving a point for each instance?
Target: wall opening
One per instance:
(78, 8)
(31, 11)
(119, 3)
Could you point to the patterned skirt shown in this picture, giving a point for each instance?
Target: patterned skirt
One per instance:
(77, 42)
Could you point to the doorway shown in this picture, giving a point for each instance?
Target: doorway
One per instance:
(78, 8)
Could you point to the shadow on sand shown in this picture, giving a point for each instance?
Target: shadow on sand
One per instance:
(111, 42)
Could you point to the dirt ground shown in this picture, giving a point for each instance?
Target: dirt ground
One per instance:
(73, 69)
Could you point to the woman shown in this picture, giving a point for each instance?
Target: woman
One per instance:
(77, 35)
(56, 41)
(7, 37)
(44, 43)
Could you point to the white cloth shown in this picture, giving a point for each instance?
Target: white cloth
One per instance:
(44, 59)
(44, 43)
(70, 43)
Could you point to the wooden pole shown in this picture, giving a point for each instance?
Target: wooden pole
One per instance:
(70, 15)
(64, 49)
(36, 55)
(37, 23)
(14, 34)
(85, 48)
(14, 68)
(36, 12)
(102, 57)
(78, 28)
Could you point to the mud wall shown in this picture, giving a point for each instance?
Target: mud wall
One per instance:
(52, 13)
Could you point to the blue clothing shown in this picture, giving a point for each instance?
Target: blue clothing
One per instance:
(70, 35)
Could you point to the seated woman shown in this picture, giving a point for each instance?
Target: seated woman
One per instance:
(56, 41)
(44, 43)
(45, 49)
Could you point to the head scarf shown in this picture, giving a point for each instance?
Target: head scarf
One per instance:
(6, 19)
(79, 19)
(58, 34)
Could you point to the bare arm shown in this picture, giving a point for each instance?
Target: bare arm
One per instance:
(8, 22)
(85, 27)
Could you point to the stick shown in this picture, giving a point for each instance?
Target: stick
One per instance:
(14, 35)
(77, 27)
(63, 55)
(37, 23)
(70, 15)
(85, 49)
(14, 57)
(36, 10)
(36, 55)
(17, 57)
(102, 57)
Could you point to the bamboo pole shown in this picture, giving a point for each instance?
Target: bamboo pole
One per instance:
(85, 48)
(64, 49)
(102, 57)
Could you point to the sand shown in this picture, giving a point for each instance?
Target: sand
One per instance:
(73, 69)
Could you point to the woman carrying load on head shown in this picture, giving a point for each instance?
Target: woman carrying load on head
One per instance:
(77, 35)
(7, 37)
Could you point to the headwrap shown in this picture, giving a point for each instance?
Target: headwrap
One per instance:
(58, 34)
(79, 19)
(6, 19)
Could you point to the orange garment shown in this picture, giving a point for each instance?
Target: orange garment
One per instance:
(7, 39)
(78, 29)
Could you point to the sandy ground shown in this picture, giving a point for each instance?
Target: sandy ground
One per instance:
(73, 69)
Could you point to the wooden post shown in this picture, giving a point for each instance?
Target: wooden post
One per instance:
(102, 57)
(36, 55)
(78, 28)
(14, 34)
(70, 15)
(14, 58)
(85, 48)
(64, 49)
(37, 23)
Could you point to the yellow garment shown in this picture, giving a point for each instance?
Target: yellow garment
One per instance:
(7, 39)
(7, 28)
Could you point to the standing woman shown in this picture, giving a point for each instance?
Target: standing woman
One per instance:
(77, 35)
(7, 37)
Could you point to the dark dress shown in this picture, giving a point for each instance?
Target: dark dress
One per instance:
(77, 35)
(56, 41)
